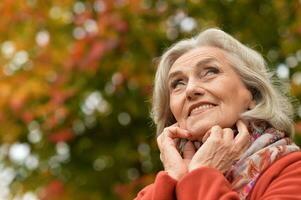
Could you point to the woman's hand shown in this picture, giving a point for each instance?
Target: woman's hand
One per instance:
(221, 149)
(173, 163)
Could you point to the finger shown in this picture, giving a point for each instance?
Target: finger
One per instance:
(205, 137)
(159, 141)
(169, 134)
(228, 135)
(245, 122)
(161, 157)
(216, 132)
(175, 125)
(176, 132)
(188, 152)
(243, 137)
(177, 141)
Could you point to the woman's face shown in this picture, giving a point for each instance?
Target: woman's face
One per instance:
(206, 91)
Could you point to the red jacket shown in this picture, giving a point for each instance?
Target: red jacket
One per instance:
(282, 180)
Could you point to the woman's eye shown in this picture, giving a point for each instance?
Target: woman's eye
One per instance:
(177, 83)
(211, 71)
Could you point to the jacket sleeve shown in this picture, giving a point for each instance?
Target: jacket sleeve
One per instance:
(162, 189)
(205, 183)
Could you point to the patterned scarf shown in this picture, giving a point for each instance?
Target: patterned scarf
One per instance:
(268, 145)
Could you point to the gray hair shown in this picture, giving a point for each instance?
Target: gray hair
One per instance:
(272, 106)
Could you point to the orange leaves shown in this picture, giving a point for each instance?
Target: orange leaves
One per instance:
(93, 56)
(96, 52)
(18, 101)
(295, 89)
(5, 93)
(54, 116)
(63, 135)
(83, 56)
(118, 23)
(76, 54)
(27, 116)
(135, 5)
(59, 96)
(53, 190)
(24, 91)
(298, 127)
(86, 56)
(102, 35)
(9, 132)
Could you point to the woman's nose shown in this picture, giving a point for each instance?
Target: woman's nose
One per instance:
(194, 90)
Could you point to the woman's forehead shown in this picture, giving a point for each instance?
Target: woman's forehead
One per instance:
(199, 55)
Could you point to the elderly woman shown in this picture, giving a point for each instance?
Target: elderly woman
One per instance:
(223, 128)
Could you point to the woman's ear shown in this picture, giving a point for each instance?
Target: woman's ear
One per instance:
(252, 105)
(254, 93)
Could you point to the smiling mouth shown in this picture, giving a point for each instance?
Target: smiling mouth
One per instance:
(200, 109)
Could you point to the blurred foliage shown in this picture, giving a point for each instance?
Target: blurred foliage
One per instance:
(76, 79)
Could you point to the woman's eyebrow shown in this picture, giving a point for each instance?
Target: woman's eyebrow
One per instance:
(173, 74)
(205, 61)
(198, 64)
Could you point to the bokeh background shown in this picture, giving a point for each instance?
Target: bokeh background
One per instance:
(76, 81)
